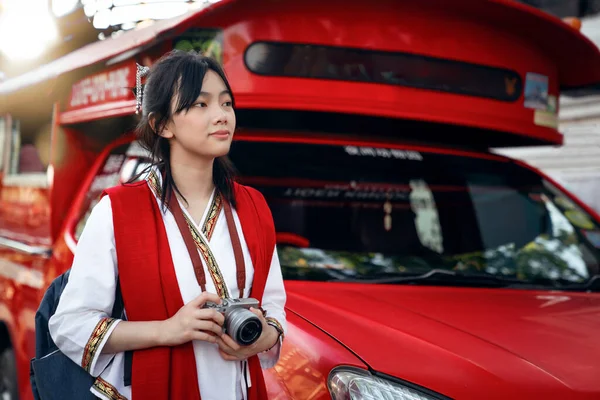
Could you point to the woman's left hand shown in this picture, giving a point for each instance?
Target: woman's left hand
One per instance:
(230, 350)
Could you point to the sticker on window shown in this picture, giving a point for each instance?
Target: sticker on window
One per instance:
(564, 203)
(579, 219)
(384, 153)
(536, 91)
(361, 193)
(545, 118)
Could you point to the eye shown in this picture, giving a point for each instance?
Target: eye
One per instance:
(228, 103)
(201, 104)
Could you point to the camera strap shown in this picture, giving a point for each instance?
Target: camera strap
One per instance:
(191, 246)
(237, 248)
(189, 240)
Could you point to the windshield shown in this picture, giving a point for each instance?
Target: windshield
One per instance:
(349, 213)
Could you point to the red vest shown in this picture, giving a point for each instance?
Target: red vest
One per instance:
(150, 289)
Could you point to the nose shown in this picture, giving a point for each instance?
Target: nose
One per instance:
(220, 117)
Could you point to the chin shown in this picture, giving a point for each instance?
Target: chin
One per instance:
(219, 150)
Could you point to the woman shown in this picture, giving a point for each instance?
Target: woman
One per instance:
(185, 235)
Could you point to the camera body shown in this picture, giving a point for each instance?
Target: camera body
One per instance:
(241, 324)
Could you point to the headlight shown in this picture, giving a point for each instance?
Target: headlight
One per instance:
(356, 384)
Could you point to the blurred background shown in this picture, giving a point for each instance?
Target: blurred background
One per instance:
(34, 32)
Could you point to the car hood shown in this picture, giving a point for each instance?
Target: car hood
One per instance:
(464, 342)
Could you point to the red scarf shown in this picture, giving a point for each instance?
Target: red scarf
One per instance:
(151, 293)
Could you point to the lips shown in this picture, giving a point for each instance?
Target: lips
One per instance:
(222, 134)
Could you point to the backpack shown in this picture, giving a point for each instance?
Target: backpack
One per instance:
(52, 374)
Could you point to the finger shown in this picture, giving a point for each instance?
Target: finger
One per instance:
(257, 311)
(210, 315)
(199, 335)
(224, 347)
(208, 327)
(204, 297)
(230, 342)
(260, 315)
(228, 357)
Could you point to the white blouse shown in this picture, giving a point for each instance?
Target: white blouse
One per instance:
(89, 296)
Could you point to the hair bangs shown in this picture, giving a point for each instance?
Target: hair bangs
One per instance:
(189, 83)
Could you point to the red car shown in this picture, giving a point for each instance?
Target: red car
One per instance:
(418, 264)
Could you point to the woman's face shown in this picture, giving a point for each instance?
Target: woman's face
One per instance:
(206, 129)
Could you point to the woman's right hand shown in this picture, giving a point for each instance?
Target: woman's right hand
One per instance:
(192, 322)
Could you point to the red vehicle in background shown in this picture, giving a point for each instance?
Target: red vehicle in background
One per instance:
(418, 263)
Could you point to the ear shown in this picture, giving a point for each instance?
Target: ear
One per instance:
(166, 131)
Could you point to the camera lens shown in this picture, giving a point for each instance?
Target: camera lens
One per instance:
(250, 332)
(243, 326)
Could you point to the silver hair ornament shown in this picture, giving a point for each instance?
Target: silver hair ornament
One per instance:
(142, 71)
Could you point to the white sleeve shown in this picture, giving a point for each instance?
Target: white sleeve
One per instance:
(82, 323)
(273, 303)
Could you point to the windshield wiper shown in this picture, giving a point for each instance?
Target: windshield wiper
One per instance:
(445, 275)
(591, 285)
(485, 279)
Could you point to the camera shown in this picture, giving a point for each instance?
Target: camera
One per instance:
(240, 323)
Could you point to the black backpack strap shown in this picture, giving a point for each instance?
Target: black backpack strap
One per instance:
(119, 312)
(128, 367)
(119, 306)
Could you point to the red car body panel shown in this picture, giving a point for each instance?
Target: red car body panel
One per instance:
(467, 341)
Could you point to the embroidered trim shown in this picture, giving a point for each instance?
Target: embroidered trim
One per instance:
(213, 215)
(211, 262)
(209, 258)
(277, 325)
(91, 347)
(152, 180)
(108, 390)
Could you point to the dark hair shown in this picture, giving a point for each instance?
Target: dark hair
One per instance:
(182, 73)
